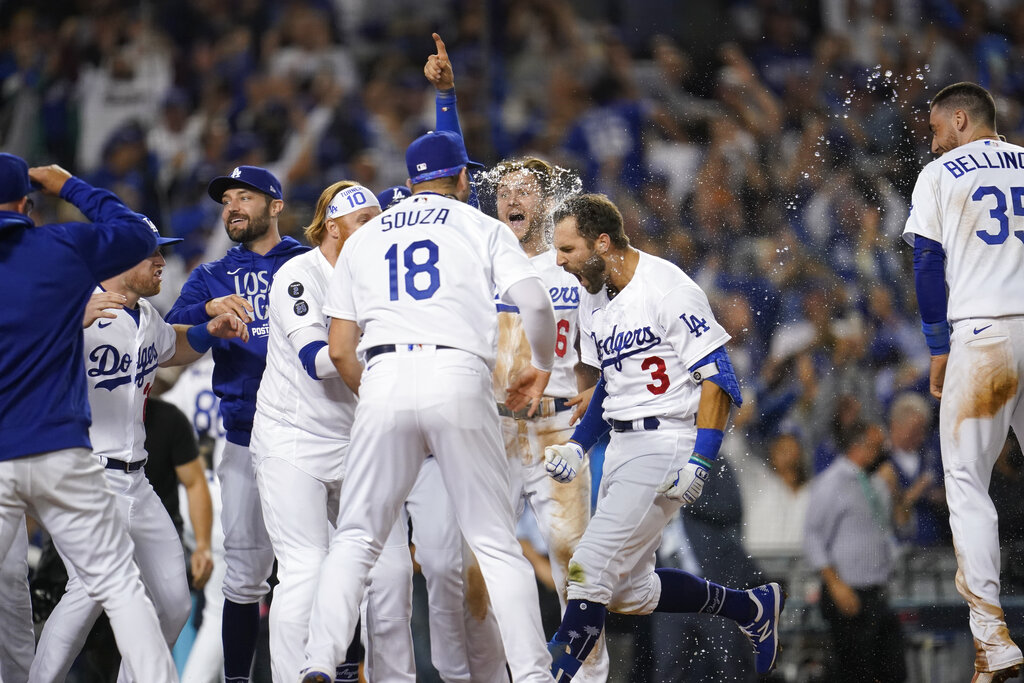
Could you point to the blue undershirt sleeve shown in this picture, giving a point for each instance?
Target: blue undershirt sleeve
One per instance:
(930, 285)
(593, 426)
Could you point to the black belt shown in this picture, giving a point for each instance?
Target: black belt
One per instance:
(649, 424)
(374, 351)
(123, 466)
(559, 404)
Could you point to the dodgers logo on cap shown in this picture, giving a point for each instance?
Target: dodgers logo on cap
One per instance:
(252, 177)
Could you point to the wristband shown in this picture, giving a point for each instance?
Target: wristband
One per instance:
(937, 336)
(705, 449)
(199, 338)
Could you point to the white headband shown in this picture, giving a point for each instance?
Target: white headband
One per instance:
(351, 199)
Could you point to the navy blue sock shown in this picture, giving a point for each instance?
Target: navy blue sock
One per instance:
(356, 652)
(581, 626)
(683, 592)
(239, 629)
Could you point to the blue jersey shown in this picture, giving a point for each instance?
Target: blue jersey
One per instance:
(48, 274)
(238, 366)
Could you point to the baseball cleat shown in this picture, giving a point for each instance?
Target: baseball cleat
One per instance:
(763, 631)
(996, 676)
(316, 675)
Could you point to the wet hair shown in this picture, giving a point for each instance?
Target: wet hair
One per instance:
(538, 168)
(972, 98)
(316, 230)
(595, 215)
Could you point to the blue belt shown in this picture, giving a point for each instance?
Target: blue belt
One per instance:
(649, 424)
(374, 351)
(123, 466)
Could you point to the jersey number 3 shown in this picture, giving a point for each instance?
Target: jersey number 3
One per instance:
(999, 212)
(657, 368)
(415, 265)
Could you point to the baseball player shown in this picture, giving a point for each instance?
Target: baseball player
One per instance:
(46, 469)
(438, 551)
(428, 333)
(967, 231)
(17, 637)
(665, 391)
(125, 341)
(239, 283)
(525, 194)
(300, 435)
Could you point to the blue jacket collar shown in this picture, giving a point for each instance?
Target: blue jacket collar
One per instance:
(13, 219)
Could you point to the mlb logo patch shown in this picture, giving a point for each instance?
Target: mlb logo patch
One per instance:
(421, 167)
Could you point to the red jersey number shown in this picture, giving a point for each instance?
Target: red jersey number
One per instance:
(657, 367)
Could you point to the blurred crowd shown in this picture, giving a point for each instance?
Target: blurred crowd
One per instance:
(773, 161)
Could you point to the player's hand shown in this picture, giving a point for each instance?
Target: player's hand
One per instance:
(937, 374)
(686, 484)
(50, 179)
(563, 462)
(101, 305)
(228, 326)
(527, 390)
(846, 599)
(232, 303)
(438, 68)
(202, 567)
(581, 401)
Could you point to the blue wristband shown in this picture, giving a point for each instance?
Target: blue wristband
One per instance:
(937, 336)
(705, 450)
(199, 338)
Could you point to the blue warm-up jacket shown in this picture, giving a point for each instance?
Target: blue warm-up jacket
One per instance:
(47, 274)
(238, 365)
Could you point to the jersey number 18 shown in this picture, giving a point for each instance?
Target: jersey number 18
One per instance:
(427, 267)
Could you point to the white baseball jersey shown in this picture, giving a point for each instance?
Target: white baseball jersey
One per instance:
(424, 272)
(304, 420)
(645, 340)
(971, 200)
(121, 356)
(513, 348)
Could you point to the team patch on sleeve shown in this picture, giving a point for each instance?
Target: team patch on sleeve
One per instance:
(301, 307)
(295, 290)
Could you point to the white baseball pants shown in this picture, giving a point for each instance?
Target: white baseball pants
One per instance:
(17, 637)
(562, 512)
(981, 400)
(299, 511)
(412, 404)
(247, 550)
(161, 561)
(614, 561)
(435, 533)
(66, 491)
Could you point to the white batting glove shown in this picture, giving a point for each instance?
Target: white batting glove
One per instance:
(687, 484)
(563, 462)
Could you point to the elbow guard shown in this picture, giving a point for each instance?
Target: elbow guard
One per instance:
(717, 367)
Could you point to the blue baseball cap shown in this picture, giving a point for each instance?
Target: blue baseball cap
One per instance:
(438, 154)
(392, 196)
(14, 180)
(252, 177)
(160, 240)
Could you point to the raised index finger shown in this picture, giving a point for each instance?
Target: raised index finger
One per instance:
(439, 44)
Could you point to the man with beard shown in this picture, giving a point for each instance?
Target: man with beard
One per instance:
(665, 391)
(125, 341)
(239, 283)
(525, 192)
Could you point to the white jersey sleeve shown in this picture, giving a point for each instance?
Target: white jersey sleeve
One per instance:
(690, 326)
(165, 337)
(338, 301)
(924, 208)
(297, 296)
